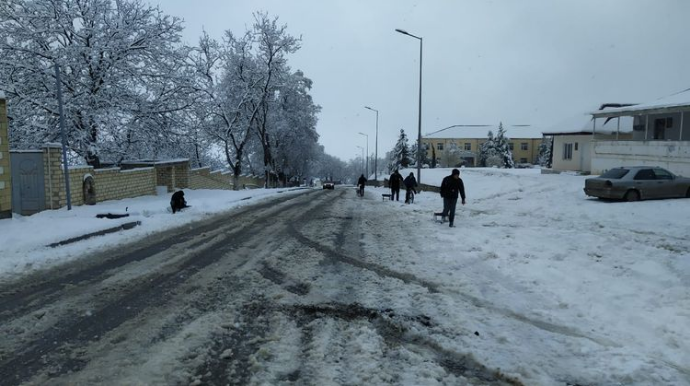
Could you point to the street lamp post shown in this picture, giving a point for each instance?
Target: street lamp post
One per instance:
(58, 86)
(419, 122)
(361, 148)
(376, 145)
(367, 168)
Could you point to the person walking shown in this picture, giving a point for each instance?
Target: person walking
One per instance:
(451, 187)
(410, 185)
(394, 183)
(360, 185)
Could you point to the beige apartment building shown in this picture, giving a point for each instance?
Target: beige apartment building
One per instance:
(456, 146)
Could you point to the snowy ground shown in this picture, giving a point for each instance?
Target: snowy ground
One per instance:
(615, 276)
(545, 280)
(24, 240)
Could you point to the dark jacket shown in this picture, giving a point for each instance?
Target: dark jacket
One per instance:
(450, 188)
(177, 201)
(394, 182)
(361, 181)
(410, 182)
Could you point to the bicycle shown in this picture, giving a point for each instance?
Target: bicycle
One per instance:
(409, 196)
(360, 190)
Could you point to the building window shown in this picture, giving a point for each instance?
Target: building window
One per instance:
(660, 126)
(523, 146)
(523, 160)
(468, 146)
(567, 151)
(510, 146)
(639, 123)
(575, 146)
(439, 146)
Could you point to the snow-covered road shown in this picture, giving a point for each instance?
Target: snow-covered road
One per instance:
(280, 292)
(537, 285)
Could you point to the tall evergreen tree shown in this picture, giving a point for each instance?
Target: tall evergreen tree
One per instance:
(496, 150)
(400, 155)
(433, 157)
(413, 154)
(503, 148)
(487, 150)
(544, 158)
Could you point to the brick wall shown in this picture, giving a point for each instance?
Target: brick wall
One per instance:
(174, 174)
(5, 173)
(109, 184)
(116, 184)
(251, 182)
(204, 178)
(133, 180)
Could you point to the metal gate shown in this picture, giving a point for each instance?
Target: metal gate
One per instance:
(28, 186)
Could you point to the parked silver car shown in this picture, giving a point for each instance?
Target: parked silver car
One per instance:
(637, 183)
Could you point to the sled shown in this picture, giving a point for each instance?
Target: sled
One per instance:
(112, 215)
(179, 210)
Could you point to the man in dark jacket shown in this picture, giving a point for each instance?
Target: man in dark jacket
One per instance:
(451, 186)
(394, 183)
(177, 201)
(360, 185)
(410, 185)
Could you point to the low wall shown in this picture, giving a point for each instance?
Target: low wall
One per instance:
(251, 182)
(672, 155)
(134, 179)
(428, 188)
(116, 184)
(420, 187)
(171, 173)
(108, 184)
(204, 178)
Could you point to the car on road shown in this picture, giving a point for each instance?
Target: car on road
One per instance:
(637, 183)
(329, 185)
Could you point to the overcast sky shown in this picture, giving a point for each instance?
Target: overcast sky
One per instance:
(532, 62)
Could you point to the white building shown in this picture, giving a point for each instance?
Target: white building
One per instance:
(573, 140)
(660, 136)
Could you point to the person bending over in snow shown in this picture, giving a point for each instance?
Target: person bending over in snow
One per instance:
(177, 202)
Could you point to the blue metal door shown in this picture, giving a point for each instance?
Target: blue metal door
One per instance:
(28, 186)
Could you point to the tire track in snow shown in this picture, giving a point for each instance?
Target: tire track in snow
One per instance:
(393, 328)
(57, 349)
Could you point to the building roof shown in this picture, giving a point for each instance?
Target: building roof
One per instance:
(582, 124)
(676, 102)
(482, 132)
